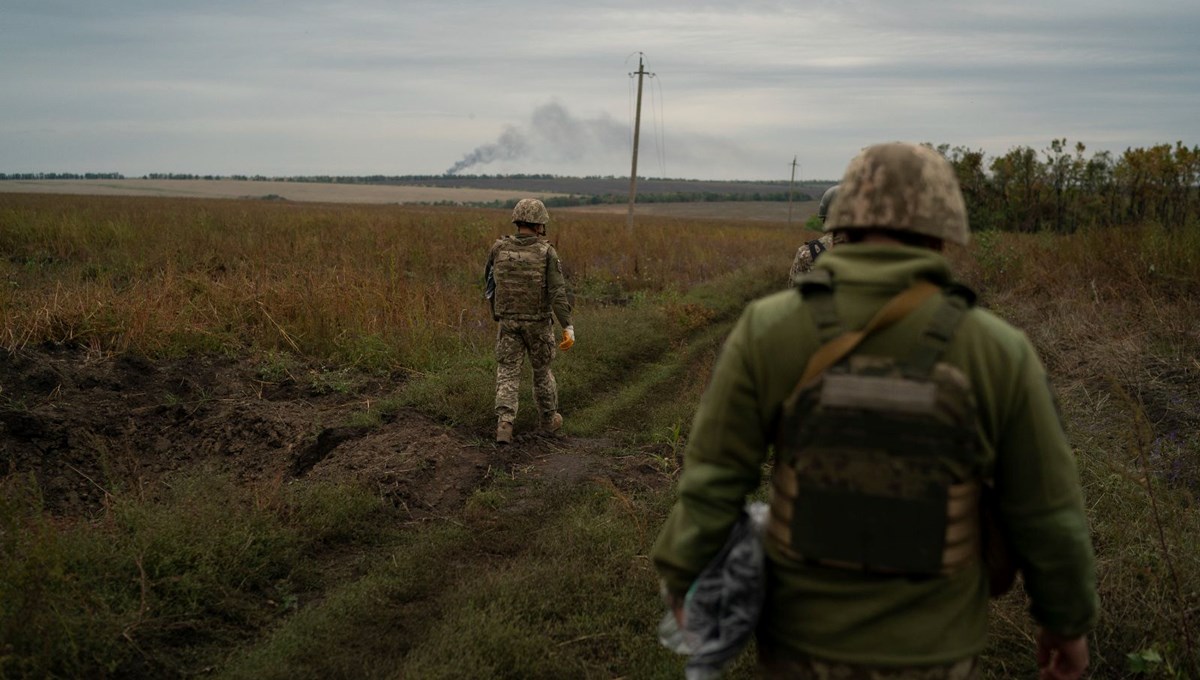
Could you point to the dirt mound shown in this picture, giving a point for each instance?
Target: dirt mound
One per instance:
(86, 425)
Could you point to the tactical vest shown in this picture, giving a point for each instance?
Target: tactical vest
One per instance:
(520, 273)
(879, 463)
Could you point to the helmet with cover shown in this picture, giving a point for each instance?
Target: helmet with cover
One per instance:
(826, 201)
(902, 187)
(530, 211)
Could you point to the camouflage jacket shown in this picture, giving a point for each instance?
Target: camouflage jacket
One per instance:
(550, 296)
(862, 618)
(807, 253)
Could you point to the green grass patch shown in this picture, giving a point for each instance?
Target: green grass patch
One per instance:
(152, 585)
(564, 591)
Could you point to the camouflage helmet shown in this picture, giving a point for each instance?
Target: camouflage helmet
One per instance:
(905, 187)
(530, 210)
(826, 201)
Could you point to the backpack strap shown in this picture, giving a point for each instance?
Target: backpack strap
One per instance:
(815, 248)
(920, 362)
(816, 287)
(897, 308)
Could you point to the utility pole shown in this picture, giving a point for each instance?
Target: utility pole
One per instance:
(637, 129)
(793, 181)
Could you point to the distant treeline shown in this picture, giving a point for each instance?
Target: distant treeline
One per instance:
(1058, 188)
(1061, 189)
(61, 175)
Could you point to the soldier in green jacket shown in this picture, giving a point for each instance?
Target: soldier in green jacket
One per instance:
(874, 561)
(526, 287)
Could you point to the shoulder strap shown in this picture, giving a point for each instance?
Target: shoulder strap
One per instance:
(897, 308)
(816, 287)
(937, 335)
(815, 248)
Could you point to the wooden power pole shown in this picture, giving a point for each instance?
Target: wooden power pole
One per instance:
(637, 129)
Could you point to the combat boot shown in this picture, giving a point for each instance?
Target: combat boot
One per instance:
(504, 432)
(552, 424)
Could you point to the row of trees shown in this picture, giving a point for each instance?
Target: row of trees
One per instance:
(1058, 188)
(1061, 189)
(61, 175)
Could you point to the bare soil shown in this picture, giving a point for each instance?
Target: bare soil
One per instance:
(87, 426)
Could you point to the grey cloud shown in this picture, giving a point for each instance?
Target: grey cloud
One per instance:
(738, 82)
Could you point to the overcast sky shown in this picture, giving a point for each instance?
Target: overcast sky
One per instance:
(357, 87)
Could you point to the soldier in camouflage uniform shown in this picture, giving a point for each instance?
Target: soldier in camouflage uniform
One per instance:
(845, 599)
(526, 288)
(808, 253)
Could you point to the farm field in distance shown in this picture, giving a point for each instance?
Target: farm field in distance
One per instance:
(251, 438)
(658, 197)
(247, 189)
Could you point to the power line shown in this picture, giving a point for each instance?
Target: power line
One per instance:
(660, 139)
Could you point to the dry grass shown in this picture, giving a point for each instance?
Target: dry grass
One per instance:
(1113, 315)
(381, 285)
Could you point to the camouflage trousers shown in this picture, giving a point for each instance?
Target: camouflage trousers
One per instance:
(515, 339)
(815, 669)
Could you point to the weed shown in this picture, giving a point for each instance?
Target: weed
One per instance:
(277, 367)
(673, 437)
(486, 499)
(327, 382)
(365, 418)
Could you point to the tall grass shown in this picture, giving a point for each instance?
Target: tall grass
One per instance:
(373, 286)
(1113, 314)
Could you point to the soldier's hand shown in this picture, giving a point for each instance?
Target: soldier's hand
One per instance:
(1061, 658)
(568, 340)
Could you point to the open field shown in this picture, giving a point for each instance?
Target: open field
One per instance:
(764, 211)
(453, 190)
(290, 191)
(246, 438)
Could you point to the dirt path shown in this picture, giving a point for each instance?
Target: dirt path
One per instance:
(87, 426)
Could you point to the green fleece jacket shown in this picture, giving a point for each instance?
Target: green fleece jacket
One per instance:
(865, 618)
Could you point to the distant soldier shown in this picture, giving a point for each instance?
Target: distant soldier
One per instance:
(807, 253)
(526, 288)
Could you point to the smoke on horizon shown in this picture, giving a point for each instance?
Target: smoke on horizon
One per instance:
(552, 134)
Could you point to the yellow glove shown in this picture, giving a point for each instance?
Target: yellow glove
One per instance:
(568, 340)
